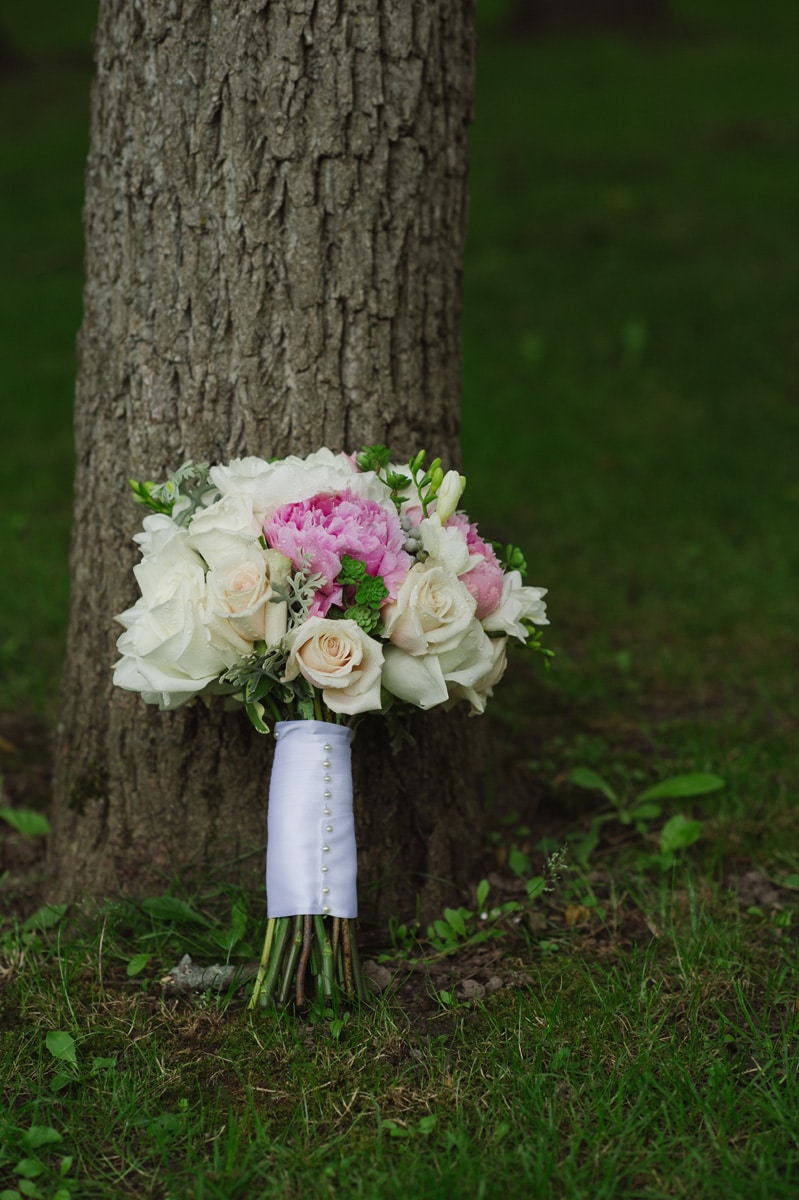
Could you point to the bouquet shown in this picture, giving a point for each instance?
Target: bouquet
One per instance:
(312, 591)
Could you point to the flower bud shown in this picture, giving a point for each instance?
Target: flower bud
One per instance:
(449, 493)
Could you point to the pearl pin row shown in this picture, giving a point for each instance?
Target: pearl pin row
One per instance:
(328, 828)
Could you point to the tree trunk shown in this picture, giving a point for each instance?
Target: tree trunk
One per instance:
(275, 214)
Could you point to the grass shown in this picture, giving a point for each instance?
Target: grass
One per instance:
(618, 1065)
(630, 417)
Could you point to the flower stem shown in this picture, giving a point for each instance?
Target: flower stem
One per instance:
(326, 978)
(295, 948)
(281, 934)
(346, 954)
(307, 932)
(262, 966)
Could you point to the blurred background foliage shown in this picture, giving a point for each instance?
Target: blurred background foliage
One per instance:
(630, 366)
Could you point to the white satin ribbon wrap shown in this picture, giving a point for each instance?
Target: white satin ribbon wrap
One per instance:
(311, 863)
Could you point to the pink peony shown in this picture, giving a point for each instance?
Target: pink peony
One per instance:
(326, 527)
(485, 580)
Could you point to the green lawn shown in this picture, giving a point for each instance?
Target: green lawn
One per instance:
(631, 417)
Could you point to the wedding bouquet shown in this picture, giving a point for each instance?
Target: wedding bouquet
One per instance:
(311, 591)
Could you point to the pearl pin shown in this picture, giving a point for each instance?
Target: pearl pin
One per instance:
(326, 849)
(328, 828)
(327, 795)
(325, 869)
(325, 891)
(326, 908)
(326, 762)
(327, 746)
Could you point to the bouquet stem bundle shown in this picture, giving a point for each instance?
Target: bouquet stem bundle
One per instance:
(294, 947)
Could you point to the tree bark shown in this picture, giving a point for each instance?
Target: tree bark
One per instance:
(275, 213)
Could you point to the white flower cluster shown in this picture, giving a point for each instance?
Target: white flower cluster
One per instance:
(213, 593)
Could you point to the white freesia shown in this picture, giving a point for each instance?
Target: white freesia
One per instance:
(271, 485)
(518, 603)
(430, 679)
(432, 611)
(449, 495)
(226, 527)
(241, 592)
(341, 659)
(447, 546)
(168, 652)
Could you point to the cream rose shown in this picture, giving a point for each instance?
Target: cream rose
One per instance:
(241, 592)
(432, 612)
(339, 658)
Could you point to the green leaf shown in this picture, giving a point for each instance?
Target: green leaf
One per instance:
(455, 918)
(584, 777)
(227, 939)
(103, 1064)
(427, 1124)
(32, 824)
(172, 908)
(28, 1188)
(256, 714)
(644, 812)
(518, 861)
(536, 887)
(137, 965)
(483, 889)
(373, 458)
(678, 833)
(29, 1168)
(62, 1046)
(395, 1130)
(9, 1194)
(679, 786)
(45, 917)
(41, 1135)
(61, 1080)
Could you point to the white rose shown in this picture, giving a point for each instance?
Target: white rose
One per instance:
(429, 679)
(241, 594)
(341, 659)
(518, 603)
(432, 611)
(479, 692)
(167, 652)
(224, 528)
(271, 485)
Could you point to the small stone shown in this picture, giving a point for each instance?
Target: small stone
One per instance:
(470, 989)
(378, 976)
